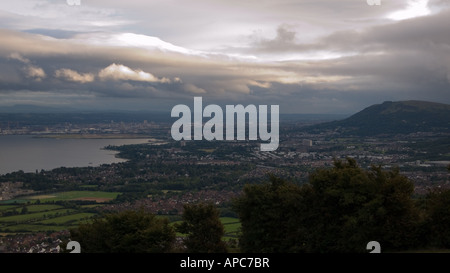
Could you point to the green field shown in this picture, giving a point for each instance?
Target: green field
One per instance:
(99, 196)
(68, 218)
(231, 227)
(30, 217)
(26, 228)
(43, 207)
(7, 207)
(48, 216)
(25, 214)
(43, 218)
(229, 220)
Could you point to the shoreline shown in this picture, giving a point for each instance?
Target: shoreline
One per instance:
(93, 136)
(96, 155)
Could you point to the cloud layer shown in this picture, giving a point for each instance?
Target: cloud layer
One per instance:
(120, 72)
(307, 56)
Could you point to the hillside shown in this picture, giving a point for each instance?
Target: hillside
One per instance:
(402, 117)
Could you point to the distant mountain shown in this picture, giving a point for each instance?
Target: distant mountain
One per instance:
(402, 117)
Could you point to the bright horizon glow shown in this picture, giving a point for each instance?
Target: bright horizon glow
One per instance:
(416, 8)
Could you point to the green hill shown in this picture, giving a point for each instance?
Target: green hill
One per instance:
(402, 117)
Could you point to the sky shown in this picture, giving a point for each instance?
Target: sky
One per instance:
(307, 56)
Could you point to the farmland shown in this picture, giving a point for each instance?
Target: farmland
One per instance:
(231, 227)
(96, 196)
(59, 211)
(50, 212)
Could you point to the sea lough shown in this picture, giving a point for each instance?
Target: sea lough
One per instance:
(28, 153)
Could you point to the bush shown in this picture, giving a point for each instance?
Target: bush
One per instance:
(125, 232)
(341, 209)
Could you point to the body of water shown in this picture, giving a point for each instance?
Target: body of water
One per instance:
(27, 153)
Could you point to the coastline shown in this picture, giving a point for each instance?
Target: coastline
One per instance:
(93, 136)
(35, 152)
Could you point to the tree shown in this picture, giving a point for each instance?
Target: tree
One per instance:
(354, 206)
(341, 209)
(203, 229)
(125, 232)
(269, 214)
(438, 218)
(24, 210)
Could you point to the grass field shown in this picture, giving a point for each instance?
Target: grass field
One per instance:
(231, 227)
(45, 216)
(207, 150)
(30, 217)
(26, 228)
(98, 196)
(68, 218)
(43, 207)
(8, 207)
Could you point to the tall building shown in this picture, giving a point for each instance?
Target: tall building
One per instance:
(307, 142)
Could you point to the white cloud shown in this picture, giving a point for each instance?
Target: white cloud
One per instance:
(148, 42)
(194, 89)
(35, 72)
(121, 72)
(30, 14)
(74, 76)
(30, 70)
(18, 57)
(416, 8)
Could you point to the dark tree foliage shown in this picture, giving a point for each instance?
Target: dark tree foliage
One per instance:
(203, 229)
(269, 217)
(438, 218)
(125, 232)
(341, 209)
(353, 206)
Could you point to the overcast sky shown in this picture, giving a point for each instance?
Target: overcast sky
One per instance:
(321, 56)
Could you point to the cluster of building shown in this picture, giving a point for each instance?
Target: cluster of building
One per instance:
(173, 204)
(11, 128)
(9, 190)
(33, 243)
